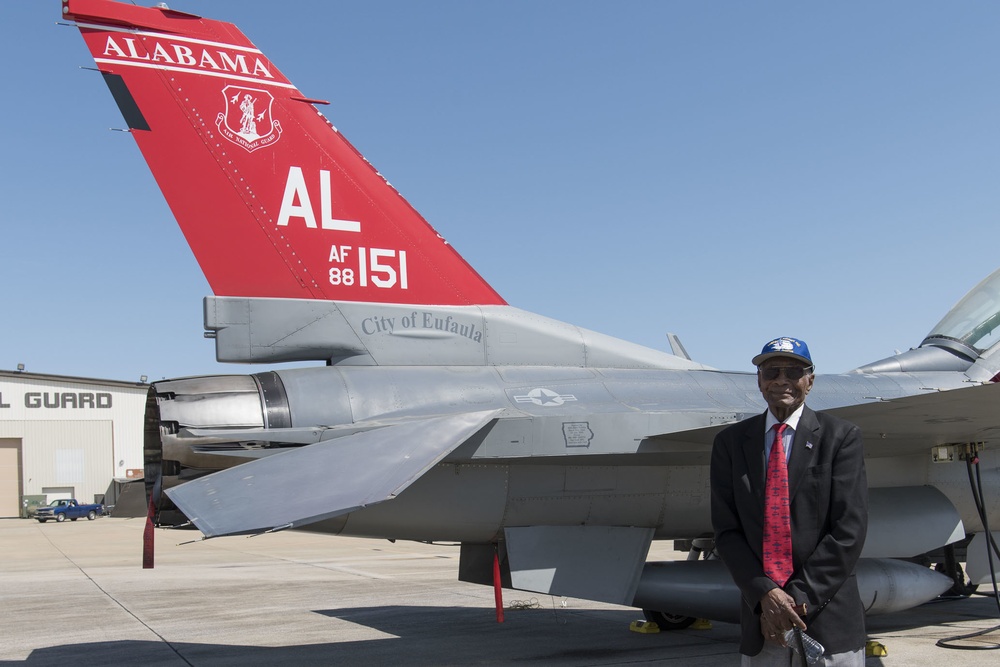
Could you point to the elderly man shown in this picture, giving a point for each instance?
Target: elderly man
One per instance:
(790, 511)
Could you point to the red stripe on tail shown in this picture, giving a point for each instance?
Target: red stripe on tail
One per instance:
(272, 199)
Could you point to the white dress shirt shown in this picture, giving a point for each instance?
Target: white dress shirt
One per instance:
(787, 437)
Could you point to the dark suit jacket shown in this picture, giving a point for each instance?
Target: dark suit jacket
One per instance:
(828, 494)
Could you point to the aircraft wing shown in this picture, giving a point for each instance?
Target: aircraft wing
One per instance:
(916, 423)
(324, 480)
(893, 427)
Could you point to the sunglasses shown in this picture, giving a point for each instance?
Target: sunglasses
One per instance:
(792, 373)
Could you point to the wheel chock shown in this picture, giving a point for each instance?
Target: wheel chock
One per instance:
(644, 627)
(874, 649)
(702, 624)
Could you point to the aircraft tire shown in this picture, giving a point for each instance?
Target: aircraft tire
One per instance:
(668, 621)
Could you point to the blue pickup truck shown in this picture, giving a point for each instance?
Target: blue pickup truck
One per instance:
(67, 508)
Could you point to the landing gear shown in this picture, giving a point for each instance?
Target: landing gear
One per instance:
(668, 621)
(697, 549)
(953, 568)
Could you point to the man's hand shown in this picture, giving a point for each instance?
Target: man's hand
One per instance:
(778, 615)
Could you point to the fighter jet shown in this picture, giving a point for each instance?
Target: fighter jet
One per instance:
(554, 455)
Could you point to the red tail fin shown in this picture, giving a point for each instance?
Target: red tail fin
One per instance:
(272, 199)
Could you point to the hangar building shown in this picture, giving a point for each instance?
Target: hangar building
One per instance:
(66, 437)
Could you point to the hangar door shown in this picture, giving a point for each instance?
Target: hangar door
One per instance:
(10, 477)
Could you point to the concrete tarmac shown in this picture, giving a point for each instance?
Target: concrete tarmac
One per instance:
(74, 593)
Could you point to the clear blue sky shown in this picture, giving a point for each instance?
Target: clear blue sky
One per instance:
(630, 167)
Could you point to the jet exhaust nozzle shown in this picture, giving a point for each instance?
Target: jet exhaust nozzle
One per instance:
(175, 407)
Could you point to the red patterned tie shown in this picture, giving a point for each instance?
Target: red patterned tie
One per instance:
(777, 524)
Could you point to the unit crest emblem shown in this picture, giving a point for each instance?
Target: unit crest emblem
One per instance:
(247, 120)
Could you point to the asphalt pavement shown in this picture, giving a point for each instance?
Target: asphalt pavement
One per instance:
(74, 593)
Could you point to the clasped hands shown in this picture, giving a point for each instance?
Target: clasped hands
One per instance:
(779, 613)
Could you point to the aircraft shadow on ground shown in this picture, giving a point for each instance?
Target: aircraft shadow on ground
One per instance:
(424, 636)
(936, 613)
(466, 636)
(542, 634)
(941, 614)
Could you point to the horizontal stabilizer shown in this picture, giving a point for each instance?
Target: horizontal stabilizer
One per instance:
(590, 562)
(328, 479)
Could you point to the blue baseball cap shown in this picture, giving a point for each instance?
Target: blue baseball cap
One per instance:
(792, 348)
